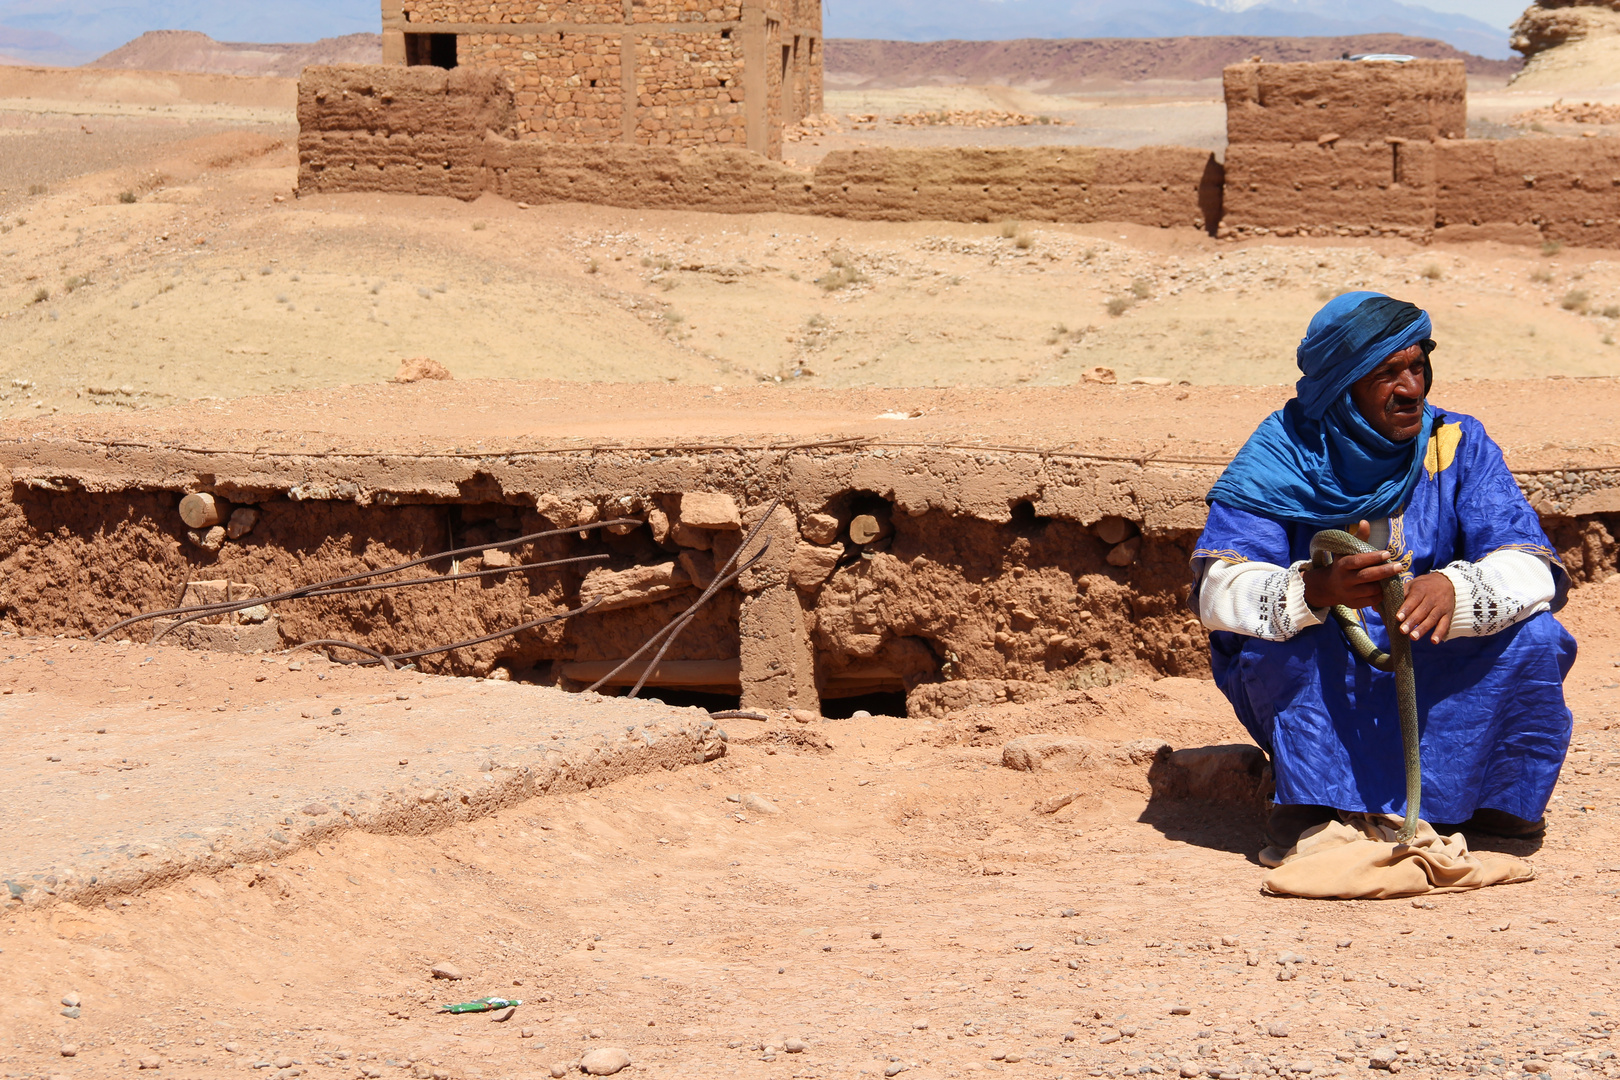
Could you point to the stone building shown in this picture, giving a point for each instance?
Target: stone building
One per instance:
(634, 72)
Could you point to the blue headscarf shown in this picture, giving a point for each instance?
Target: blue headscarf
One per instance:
(1317, 461)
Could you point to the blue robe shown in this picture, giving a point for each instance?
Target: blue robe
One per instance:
(1494, 724)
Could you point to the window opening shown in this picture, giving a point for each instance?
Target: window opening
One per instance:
(430, 50)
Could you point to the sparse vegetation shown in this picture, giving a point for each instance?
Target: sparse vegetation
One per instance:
(1023, 241)
(1575, 300)
(480, 226)
(41, 295)
(126, 197)
(75, 283)
(1009, 229)
(1119, 305)
(38, 189)
(376, 287)
(1059, 332)
(1141, 288)
(592, 265)
(265, 271)
(844, 272)
(424, 292)
(1433, 272)
(1550, 248)
(1611, 311)
(1542, 276)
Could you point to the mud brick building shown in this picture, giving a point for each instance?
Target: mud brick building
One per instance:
(673, 73)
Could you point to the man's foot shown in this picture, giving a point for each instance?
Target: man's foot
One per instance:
(1503, 824)
(1285, 823)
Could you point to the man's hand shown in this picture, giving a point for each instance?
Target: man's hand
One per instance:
(1430, 601)
(1356, 581)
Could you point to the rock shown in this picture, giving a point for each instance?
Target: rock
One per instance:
(419, 369)
(688, 536)
(446, 970)
(1277, 1029)
(236, 1048)
(71, 1012)
(501, 1016)
(605, 1061)
(283, 1062)
(658, 522)
(759, 804)
(865, 528)
(795, 1046)
(710, 510)
(1344, 943)
(211, 540)
(254, 615)
(69, 1050)
(495, 560)
(633, 587)
(558, 1071)
(1111, 1036)
(201, 509)
(1125, 554)
(894, 1068)
(243, 518)
(1180, 1010)
(1150, 380)
(71, 1000)
(698, 565)
(1188, 1070)
(1114, 530)
(860, 714)
(526, 1033)
(819, 528)
(315, 809)
(804, 716)
(1287, 974)
(920, 1025)
(811, 566)
(1382, 1058)
(1013, 1057)
(1099, 374)
(150, 1061)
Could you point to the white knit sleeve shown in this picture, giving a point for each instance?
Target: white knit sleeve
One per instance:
(1256, 599)
(1503, 588)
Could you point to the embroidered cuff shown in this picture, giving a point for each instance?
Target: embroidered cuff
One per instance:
(1301, 614)
(1484, 604)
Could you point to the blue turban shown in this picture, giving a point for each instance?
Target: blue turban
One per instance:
(1317, 461)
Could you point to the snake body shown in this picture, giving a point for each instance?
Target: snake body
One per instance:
(1324, 546)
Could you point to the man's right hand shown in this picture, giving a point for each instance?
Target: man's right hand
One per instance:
(1356, 581)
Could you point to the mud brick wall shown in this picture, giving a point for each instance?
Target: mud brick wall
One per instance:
(1153, 186)
(1565, 189)
(413, 130)
(1355, 101)
(1347, 189)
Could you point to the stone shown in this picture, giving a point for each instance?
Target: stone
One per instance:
(71, 1000)
(201, 509)
(688, 536)
(794, 1046)
(526, 1033)
(865, 528)
(658, 522)
(1099, 374)
(894, 1068)
(1180, 1010)
(421, 369)
(819, 528)
(1188, 1070)
(236, 1048)
(605, 1061)
(243, 518)
(150, 1061)
(210, 540)
(1114, 530)
(811, 565)
(698, 565)
(1382, 1058)
(71, 1012)
(920, 1025)
(495, 560)
(615, 589)
(804, 716)
(558, 1071)
(759, 804)
(1110, 1036)
(1125, 554)
(69, 1050)
(283, 1062)
(710, 510)
(1277, 1029)
(501, 1016)
(444, 969)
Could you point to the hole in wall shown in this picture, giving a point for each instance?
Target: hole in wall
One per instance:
(886, 703)
(685, 699)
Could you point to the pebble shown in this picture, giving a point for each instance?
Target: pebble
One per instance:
(69, 1050)
(1108, 1037)
(1189, 1070)
(1230, 941)
(921, 1025)
(877, 935)
(604, 1061)
(894, 1068)
(1277, 1029)
(862, 714)
(1382, 1058)
(232, 1048)
(72, 1013)
(446, 970)
(1180, 1010)
(1287, 974)
(283, 1062)
(151, 1062)
(501, 1016)
(526, 1033)
(598, 1033)
(1024, 946)
(1345, 943)
(559, 1071)
(1013, 1057)
(70, 1000)
(795, 1046)
(1067, 913)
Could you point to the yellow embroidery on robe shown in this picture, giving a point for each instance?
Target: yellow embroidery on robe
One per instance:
(1398, 552)
(1442, 449)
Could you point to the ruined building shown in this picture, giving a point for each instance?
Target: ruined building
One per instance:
(634, 72)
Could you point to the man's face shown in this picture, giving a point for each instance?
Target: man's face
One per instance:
(1390, 396)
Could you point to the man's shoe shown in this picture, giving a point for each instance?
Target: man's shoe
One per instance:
(1286, 823)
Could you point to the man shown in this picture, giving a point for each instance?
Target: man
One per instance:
(1359, 448)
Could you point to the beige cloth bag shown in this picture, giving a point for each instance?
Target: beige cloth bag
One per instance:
(1358, 859)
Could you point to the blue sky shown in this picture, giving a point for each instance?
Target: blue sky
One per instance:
(80, 29)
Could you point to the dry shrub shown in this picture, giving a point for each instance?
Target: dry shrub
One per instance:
(1141, 288)
(1119, 305)
(1433, 272)
(1575, 300)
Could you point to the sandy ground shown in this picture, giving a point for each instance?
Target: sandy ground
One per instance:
(905, 905)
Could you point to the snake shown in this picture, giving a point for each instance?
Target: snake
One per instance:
(1398, 660)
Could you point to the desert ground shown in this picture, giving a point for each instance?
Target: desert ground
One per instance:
(827, 898)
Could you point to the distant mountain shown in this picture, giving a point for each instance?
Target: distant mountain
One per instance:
(188, 50)
(1058, 65)
(1001, 20)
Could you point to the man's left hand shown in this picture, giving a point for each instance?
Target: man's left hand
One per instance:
(1430, 600)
